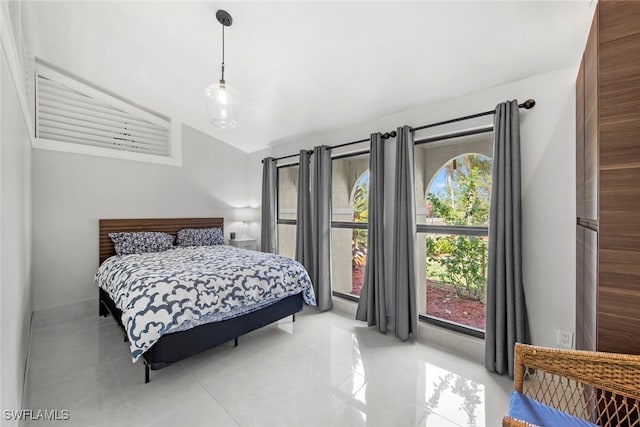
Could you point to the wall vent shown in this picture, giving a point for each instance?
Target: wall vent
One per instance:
(76, 117)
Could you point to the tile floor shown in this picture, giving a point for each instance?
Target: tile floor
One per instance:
(323, 370)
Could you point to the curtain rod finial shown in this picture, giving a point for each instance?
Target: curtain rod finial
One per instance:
(529, 103)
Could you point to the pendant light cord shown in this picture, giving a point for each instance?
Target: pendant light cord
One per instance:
(222, 79)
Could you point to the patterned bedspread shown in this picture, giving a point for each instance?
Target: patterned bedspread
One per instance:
(181, 288)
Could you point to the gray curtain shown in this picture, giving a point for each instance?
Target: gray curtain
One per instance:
(507, 321)
(372, 303)
(321, 226)
(268, 224)
(404, 238)
(304, 245)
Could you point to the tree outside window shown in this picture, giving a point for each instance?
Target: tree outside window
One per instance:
(459, 195)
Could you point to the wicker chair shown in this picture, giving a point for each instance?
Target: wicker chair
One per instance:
(603, 388)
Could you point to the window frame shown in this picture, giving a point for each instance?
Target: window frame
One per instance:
(350, 225)
(278, 220)
(459, 230)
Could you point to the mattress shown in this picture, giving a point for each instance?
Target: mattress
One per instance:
(171, 291)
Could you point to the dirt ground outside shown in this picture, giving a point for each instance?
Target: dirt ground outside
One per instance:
(441, 302)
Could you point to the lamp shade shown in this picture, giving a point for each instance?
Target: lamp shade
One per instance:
(221, 105)
(247, 214)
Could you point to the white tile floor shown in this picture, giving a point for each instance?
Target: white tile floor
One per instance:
(323, 370)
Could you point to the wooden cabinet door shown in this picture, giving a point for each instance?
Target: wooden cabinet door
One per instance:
(590, 289)
(591, 127)
(586, 288)
(618, 19)
(580, 287)
(580, 212)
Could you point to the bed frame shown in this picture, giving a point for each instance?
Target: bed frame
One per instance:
(180, 345)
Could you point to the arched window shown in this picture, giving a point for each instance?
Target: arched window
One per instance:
(457, 201)
(287, 209)
(360, 198)
(459, 192)
(349, 223)
(360, 205)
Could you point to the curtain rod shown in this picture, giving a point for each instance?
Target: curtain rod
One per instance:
(527, 105)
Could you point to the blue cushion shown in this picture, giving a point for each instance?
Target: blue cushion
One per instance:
(524, 408)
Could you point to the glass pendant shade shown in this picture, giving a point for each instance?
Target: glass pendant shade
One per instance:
(221, 105)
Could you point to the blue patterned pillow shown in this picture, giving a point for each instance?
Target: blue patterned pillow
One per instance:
(144, 241)
(200, 237)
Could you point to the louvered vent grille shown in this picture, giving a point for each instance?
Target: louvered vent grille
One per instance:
(72, 112)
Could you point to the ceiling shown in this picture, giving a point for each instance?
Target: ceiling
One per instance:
(303, 67)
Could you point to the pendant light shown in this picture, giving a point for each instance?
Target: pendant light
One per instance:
(221, 98)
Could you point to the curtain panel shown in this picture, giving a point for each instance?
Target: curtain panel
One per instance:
(506, 318)
(321, 226)
(372, 303)
(304, 243)
(405, 316)
(269, 214)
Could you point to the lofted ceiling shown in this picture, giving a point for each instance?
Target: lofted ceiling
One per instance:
(303, 67)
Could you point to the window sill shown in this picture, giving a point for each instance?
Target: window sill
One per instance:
(348, 297)
(452, 326)
(464, 345)
(426, 319)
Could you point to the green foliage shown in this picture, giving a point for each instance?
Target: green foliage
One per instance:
(466, 198)
(463, 265)
(361, 202)
(360, 214)
(461, 260)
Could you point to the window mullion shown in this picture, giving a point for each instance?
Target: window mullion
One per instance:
(452, 229)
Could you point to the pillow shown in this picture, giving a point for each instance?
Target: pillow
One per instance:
(144, 241)
(527, 409)
(200, 237)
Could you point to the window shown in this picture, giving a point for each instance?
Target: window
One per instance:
(287, 209)
(75, 117)
(350, 206)
(453, 188)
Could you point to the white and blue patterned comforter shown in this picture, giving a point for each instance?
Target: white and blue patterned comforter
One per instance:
(181, 288)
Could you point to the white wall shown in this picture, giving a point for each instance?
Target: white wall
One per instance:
(15, 243)
(72, 191)
(548, 182)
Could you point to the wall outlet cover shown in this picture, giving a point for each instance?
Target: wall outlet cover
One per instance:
(565, 339)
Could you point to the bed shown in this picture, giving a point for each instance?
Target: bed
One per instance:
(163, 275)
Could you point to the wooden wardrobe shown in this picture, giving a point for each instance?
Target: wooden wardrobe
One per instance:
(608, 182)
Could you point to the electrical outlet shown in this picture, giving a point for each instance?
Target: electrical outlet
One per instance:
(565, 339)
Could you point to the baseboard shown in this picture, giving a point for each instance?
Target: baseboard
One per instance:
(469, 347)
(65, 313)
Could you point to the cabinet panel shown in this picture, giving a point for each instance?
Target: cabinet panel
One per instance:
(619, 271)
(590, 289)
(591, 124)
(608, 261)
(619, 78)
(580, 142)
(619, 295)
(619, 102)
(618, 19)
(617, 335)
(619, 147)
(580, 288)
(620, 203)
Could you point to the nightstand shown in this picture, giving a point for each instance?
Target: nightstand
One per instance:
(244, 243)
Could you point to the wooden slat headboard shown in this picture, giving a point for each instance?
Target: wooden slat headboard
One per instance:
(167, 225)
